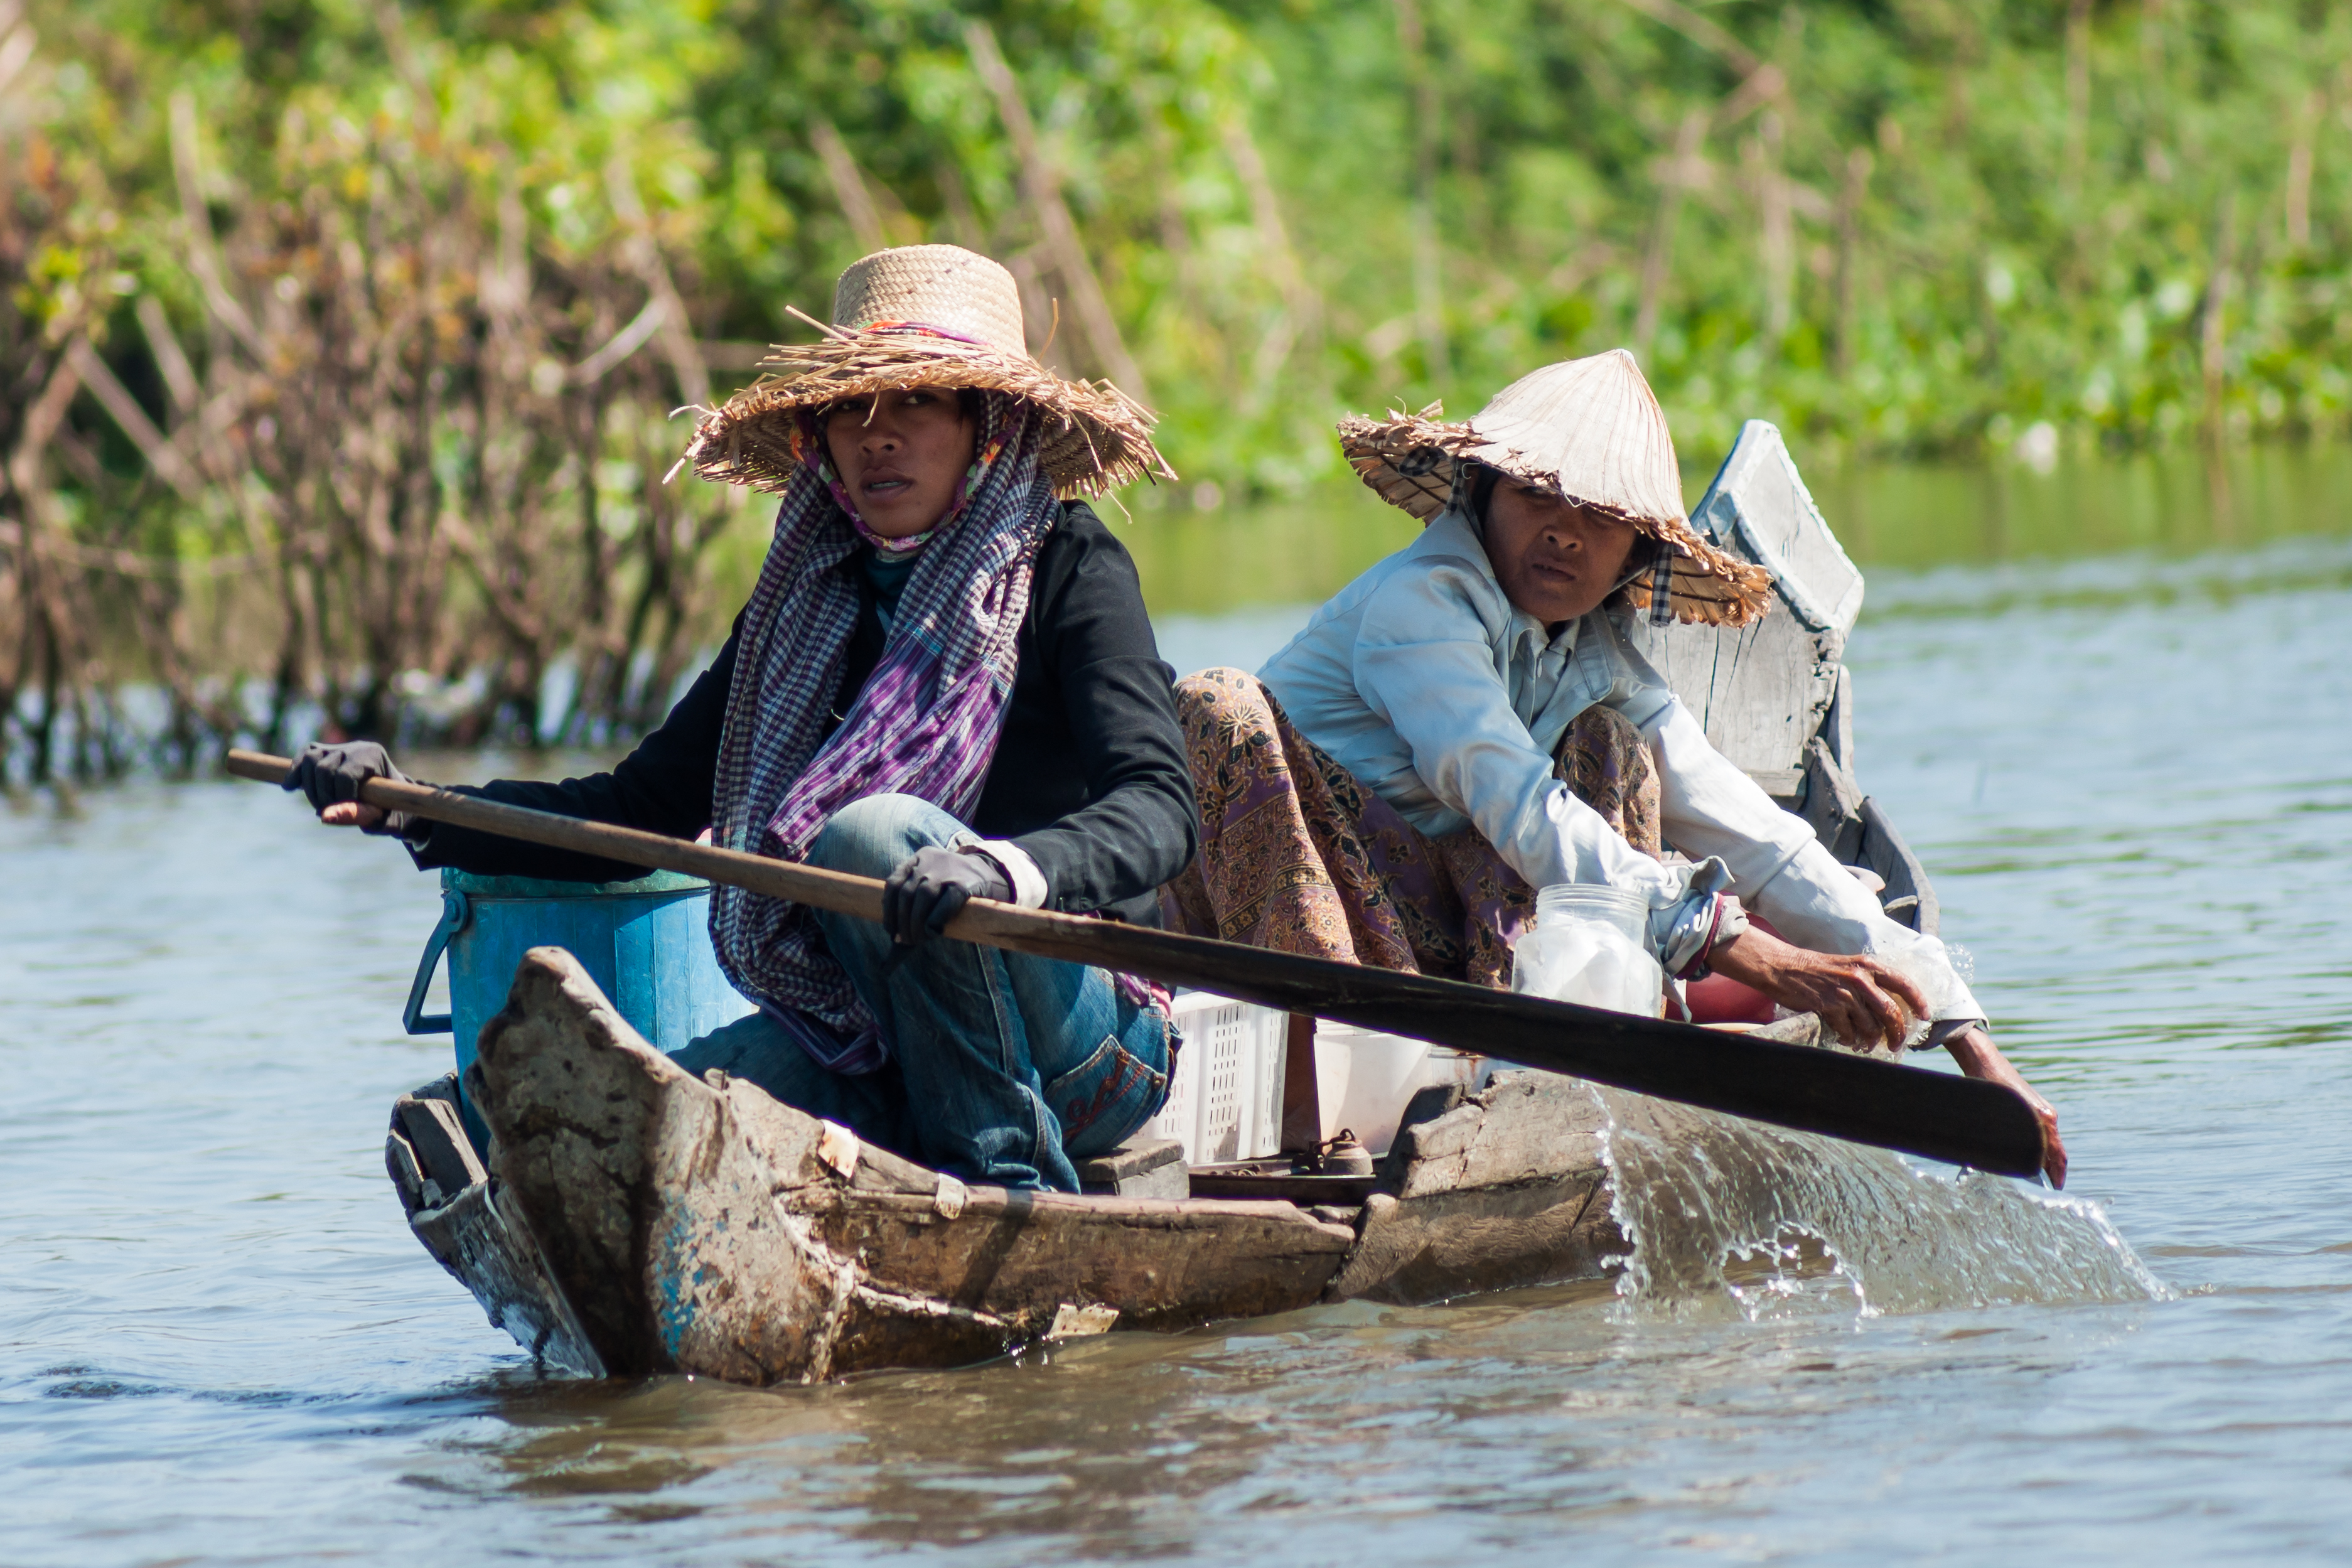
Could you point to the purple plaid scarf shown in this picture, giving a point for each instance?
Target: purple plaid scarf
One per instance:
(926, 723)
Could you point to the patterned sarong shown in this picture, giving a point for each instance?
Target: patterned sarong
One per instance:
(1297, 854)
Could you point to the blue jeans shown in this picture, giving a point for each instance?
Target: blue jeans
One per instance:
(1003, 1068)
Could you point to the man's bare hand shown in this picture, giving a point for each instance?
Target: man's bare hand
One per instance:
(356, 814)
(1978, 1057)
(1861, 1000)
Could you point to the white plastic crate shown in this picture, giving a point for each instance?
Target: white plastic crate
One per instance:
(1224, 1100)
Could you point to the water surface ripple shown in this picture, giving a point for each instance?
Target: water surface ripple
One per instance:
(2133, 780)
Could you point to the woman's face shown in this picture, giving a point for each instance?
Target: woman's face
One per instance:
(901, 455)
(1556, 561)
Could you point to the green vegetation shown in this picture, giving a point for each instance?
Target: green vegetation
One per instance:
(340, 337)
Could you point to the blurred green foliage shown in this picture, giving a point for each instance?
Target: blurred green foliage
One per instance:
(1949, 230)
(1955, 219)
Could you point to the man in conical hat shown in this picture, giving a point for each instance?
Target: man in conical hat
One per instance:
(945, 677)
(1469, 721)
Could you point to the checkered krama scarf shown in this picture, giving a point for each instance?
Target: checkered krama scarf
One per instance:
(926, 723)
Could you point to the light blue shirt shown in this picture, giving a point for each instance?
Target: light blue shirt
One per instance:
(1423, 680)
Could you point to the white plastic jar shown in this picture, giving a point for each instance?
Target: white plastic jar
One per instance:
(1591, 944)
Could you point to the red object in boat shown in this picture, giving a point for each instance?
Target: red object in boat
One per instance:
(1720, 999)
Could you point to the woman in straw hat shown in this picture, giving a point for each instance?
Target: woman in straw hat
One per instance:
(945, 678)
(1469, 721)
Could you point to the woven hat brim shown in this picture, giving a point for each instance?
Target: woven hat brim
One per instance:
(1408, 461)
(1096, 436)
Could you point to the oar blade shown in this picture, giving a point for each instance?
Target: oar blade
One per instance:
(1939, 1116)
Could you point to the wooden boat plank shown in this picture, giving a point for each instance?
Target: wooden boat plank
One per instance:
(1505, 1188)
(429, 1124)
(1759, 692)
(479, 1240)
(1022, 1256)
(1445, 1245)
(1764, 690)
(1524, 1126)
(1883, 850)
(1831, 804)
(1137, 1157)
(1306, 1191)
(1139, 1168)
(883, 1330)
(464, 1230)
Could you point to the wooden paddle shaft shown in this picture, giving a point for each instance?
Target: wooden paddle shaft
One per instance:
(1936, 1115)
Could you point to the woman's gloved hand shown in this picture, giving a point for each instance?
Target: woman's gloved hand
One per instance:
(931, 884)
(330, 777)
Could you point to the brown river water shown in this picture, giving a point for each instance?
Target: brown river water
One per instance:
(2132, 778)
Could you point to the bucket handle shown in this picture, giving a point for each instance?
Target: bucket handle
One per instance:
(454, 911)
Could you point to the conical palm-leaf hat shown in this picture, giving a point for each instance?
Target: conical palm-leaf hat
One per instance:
(1590, 430)
(926, 315)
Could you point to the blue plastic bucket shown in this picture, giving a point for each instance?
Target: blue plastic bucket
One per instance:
(647, 945)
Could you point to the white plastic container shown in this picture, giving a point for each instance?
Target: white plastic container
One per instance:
(1364, 1079)
(1591, 944)
(1224, 1099)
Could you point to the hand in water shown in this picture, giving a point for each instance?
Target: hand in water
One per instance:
(1860, 999)
(1978, 1057)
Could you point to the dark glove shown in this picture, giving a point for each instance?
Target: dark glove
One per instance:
(931, 884)
(326, 775)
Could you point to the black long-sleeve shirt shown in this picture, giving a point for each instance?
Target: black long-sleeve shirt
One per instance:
(1089, 777)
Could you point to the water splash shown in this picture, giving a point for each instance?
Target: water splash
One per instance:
(1730, 1218)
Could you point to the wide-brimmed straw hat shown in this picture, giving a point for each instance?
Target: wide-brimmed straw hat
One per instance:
(1589, 430)
(926, 315)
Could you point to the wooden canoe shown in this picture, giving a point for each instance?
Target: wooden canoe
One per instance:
(635, 1219)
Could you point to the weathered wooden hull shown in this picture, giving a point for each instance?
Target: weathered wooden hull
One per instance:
(638, 1220)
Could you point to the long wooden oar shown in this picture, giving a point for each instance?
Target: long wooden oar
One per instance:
(1941, 1117)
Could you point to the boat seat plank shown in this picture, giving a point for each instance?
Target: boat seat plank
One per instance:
(1139, 1168)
